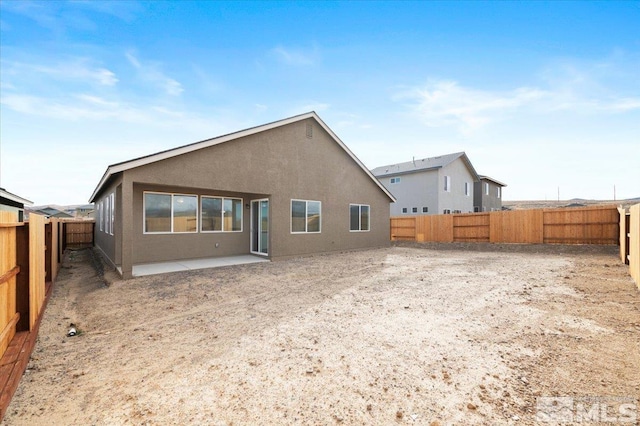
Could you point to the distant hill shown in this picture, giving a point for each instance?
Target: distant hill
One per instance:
(574, 202)
(57, 207)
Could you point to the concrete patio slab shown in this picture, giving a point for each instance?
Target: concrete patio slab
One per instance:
(191, 264)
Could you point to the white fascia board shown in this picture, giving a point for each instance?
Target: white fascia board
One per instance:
(14, 197)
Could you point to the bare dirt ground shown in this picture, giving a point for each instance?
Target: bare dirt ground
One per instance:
(413, 334)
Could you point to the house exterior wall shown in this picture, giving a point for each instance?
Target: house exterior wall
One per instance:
(415, 190)
(280, 164)
(455, 199)
(104, 238)
(484, 202)
(425, 188)
(148, 248)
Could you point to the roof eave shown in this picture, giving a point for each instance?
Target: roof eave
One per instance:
(492, 180)
(13, 197)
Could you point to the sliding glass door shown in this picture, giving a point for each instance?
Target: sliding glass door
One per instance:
(260, 227)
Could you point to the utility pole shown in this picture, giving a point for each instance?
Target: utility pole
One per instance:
(558, 193)
(614, 192)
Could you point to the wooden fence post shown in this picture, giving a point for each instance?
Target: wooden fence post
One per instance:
(36, 266)
(624, 235)
(634, 244)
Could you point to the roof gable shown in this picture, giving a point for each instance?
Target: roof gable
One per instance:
(15, 198)
(159, 156)
(425, 164)
(51, 211)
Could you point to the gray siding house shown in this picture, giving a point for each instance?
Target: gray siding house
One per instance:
(487, 194)
(436, 185)
(279, 190)
(12, 203)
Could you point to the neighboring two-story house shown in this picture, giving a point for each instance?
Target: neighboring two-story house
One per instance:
(87, 211)
(436, 185)
(487, 194)
(13, 203)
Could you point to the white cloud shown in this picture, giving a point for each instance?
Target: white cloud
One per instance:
(84, 106)
(133, 60)
(41, 13)
(96, 100)
(447, 103)
(72, 70)
(74, 108)
(173, 87)
(59, 16)
(91, 111)
(296, 57)
(624, 104)
(105, 77)
(125, 11)
(443, 103)
(150, 73)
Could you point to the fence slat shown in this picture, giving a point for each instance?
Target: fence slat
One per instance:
(8, 271)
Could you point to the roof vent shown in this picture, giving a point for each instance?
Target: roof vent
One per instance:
(309, 130)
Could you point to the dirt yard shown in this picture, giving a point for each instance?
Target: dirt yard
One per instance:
(412, 334)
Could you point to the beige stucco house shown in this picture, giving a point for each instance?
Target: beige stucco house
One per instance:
(283, 189)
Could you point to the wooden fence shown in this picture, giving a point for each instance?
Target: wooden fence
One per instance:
(630, 240)
(77, 234)
(588, 225)
(29, 263)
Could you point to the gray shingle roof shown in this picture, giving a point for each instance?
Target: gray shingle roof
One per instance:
(422, 164)
(497, 182)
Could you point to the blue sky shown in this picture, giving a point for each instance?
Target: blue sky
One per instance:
(540, 95)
